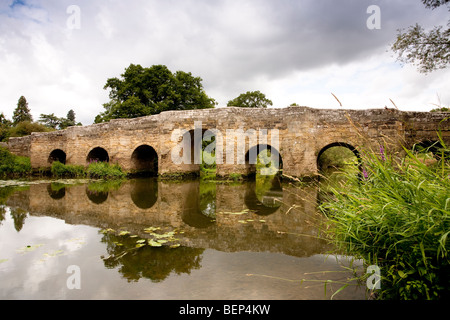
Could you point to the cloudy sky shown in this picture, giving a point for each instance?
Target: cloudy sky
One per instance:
(59, 54)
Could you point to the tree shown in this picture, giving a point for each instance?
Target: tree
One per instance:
(71, 116)
(250, 99)
(54, 122)
(50, 120)
(5, 125)
(145, 91)
(22, 112)
(428, 50)
(69, 120)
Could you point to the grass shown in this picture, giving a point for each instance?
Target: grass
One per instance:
(396, 215)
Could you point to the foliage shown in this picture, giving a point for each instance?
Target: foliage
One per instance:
(5, 125)
(397, 215)
(427, 49)
(12, 165)
(25, 128)
(22, 112)
(104, 170)
(146, 91)
(60, 170)
(250, 99)
(337, 157)
(441, 109)
(95, 170)
(54, 122)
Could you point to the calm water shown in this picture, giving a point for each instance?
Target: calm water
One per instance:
(149, 239)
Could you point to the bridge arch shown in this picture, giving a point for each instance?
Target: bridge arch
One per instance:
(57, 155)
(144, 160)
(337, 144)
(252, 154)
(429, 146)
(97, 154)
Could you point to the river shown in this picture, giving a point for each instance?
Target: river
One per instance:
(157, 239)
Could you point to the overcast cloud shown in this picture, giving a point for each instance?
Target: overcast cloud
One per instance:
(292, 50)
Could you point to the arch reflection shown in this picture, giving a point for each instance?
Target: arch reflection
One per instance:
(264, 196)
(144, 192)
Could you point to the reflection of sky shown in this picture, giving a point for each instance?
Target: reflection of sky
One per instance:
(41, 273)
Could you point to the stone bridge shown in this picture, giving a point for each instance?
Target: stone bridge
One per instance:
(170, 142)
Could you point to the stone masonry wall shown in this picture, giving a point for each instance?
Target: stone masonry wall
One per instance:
(303, 133)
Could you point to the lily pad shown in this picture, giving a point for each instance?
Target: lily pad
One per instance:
(154, 243)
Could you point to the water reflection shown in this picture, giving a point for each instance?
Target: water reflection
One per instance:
(147, 262)
(211, 224)
(265, 195)
(144, 192)
(256, 216)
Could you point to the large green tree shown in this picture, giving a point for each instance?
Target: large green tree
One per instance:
(22, 112)
(428, 50)
(145, 91)
(250, 99)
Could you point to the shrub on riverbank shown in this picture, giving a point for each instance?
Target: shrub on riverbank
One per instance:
(12, 166)
(60, 170)
(104, 170)
(96, 170)
(396, 215)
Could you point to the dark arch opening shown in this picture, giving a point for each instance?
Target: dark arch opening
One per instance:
(97, 154)
(273, 161)
(145, 161)
(57, 155)
(320, 166)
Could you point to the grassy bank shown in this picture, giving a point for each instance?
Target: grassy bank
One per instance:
(396, 215)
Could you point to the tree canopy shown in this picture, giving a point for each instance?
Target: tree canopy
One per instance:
(145, 91)
(250, 99)
(428, 50)
(54, 122)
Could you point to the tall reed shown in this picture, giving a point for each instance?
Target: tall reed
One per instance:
(396, 215)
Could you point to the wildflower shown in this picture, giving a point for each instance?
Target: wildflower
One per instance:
(383, 158)
(365, 174)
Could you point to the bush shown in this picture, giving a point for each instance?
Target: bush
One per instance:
(397, 215)
(61, 170)
(26, 128)
(13, 166)
(104, 170)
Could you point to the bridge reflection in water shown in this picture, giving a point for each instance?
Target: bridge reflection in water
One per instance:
(244, 216)
(224, 231)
